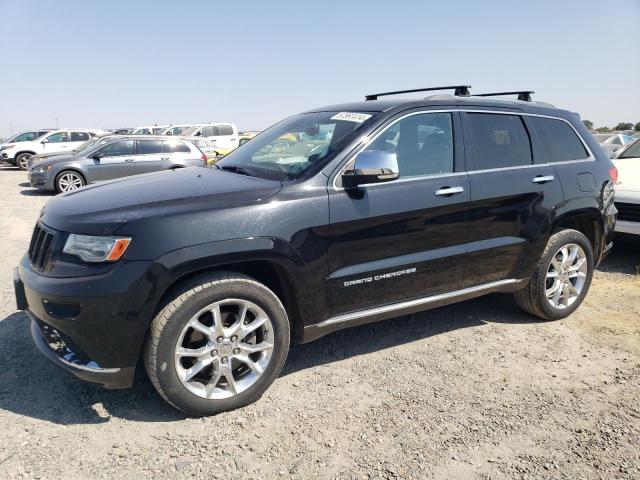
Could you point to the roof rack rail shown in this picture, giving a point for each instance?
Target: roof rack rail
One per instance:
(523, 95)
(460, 90)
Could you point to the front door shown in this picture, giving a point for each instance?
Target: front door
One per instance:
(115, 160)
(403, 239)
(511, 197)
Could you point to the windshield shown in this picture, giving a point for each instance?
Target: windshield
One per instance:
(602, 137)
(288, 149)
(632, 152)
(92, 144)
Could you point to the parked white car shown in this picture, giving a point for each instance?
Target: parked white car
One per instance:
(175, 129)
(612, 142)
(628, 189)
(27, 136)
(151, 130)
(223, 136)
(61, 140)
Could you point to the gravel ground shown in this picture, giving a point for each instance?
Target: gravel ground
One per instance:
(475, 390)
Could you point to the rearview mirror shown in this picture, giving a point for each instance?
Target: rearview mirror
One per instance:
(372, 166)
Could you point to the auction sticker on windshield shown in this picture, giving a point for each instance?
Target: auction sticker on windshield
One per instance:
(351, 117)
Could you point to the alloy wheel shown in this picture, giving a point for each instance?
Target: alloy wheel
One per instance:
(566, 276)
(224, 349)
(23, 161)
(69, 182)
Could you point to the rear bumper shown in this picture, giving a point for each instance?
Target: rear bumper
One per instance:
(52, 346)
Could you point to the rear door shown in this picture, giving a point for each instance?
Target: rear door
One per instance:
(511, 197)
(402, 239)
(149, 156)
(116, 160)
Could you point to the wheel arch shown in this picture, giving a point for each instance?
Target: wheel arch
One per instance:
(587, 221)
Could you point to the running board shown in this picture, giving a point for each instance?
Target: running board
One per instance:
(384, 312)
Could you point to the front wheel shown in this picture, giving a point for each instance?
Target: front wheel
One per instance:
(68, 181)
(218, 345)
(562, 277)
(22, 160)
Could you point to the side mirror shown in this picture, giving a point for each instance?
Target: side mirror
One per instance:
(44, 141)
(97, 156)
(372, 166)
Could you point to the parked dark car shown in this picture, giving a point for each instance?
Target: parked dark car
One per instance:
(113, 157)
(376, 209)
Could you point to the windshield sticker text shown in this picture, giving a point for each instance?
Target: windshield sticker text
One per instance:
(351, 117)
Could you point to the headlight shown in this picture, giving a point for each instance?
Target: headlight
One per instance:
(96, 249)
(41, 168)
(6, 147)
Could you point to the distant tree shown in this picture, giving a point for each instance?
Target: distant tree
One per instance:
(603, 129)
(624, 126)
(588, 124)
(637, 127)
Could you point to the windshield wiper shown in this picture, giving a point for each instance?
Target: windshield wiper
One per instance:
(236, 169)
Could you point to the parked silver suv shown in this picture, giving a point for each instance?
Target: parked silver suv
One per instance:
(121, 156)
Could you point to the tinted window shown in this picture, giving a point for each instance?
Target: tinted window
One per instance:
(208, 131)
(498, 141)
(121, 147)
(224, 130)
(632, 152)
(615, 141)
(174, 147)
(148, 146)
(26, 137)
(422, 143)
(79, 136)
(559, 141)
(58, 137)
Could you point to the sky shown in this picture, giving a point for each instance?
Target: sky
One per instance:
(113, 64)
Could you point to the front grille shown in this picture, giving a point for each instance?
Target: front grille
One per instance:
(629, 212)
(40, 247)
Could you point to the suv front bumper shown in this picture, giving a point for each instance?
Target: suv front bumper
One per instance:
(92, 326)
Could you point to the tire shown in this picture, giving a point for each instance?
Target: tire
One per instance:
(22, 160)
(550, 279)
(209, 390)
(68, 181)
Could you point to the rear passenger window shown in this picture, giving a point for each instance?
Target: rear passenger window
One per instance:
(559, 141)
(79, 136)
(207, 131)
(423, 144)
(174, 147)
(145, 147)
(498, 141)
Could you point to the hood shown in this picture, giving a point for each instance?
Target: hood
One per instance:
(51, 158)
(103, 208)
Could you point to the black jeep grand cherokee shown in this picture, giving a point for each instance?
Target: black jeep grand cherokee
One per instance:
(333, 218)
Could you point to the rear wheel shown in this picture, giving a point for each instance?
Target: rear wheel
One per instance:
(22, 160)
(68, 181)
(218, 345)
(562, 278)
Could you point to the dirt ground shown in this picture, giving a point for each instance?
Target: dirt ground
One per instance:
(476, 390)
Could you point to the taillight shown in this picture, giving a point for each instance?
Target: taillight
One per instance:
(613, 174)
(204, 158)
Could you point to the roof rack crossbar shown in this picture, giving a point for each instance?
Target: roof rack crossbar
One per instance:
(523, 95)
(459, 90)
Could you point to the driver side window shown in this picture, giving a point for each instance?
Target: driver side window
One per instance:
(58, 137)
(115, 149)
(423, 144)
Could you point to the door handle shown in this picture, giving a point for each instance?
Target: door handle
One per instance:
(543, 179)
(129, 160)
(165, 158)
(449, 191)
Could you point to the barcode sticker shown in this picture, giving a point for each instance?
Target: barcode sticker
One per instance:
(351, 117)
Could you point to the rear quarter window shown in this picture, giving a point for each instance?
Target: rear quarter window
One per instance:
(558, 140)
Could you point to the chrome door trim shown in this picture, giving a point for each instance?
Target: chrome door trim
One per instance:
(347, 317)
(543, 179)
